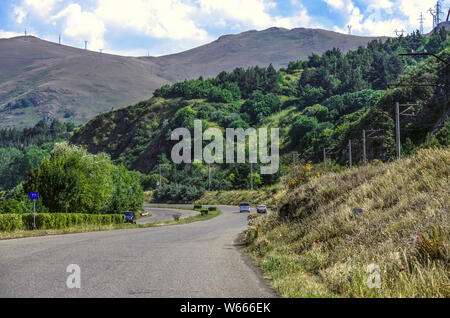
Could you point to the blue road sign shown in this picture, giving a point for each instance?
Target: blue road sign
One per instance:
(34, 195)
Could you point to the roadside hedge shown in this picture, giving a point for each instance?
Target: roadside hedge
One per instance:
(58, 221)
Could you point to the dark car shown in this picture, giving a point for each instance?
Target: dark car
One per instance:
(244, 207)
(129, 217)
(261, 209)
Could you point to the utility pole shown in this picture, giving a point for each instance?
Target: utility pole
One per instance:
(398, 113)
(34, 214)
(85, 44)
(59, 40)
(251, 176)
(350, 163)
(364, 139)
(397, 130)
(364, 147)
(209, 177)
(399, 33)
(325, 157)
(160, 179)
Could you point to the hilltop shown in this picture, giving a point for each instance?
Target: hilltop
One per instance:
(41, 79)
(276, 46)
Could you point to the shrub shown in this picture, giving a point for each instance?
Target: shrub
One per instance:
(176, 216)
(204, 212)
(10, 222)
(197, 206)
(212, 208)
(57, 221)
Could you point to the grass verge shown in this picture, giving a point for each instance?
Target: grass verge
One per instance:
(99, 228)
(268, 196)
(317, 245)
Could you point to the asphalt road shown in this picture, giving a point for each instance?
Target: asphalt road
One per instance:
(193, 260)
(164, 214)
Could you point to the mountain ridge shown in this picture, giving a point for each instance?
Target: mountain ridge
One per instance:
(44, 80)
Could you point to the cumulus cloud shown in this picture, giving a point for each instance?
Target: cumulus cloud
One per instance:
(41, 7)
(7, 34)
(83, 25)
(383, 16)
(20, 14)
(173, 19)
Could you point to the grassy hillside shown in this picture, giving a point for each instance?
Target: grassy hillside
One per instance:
(268, 196)
(315, 245)
(41, 79)
(277, 46)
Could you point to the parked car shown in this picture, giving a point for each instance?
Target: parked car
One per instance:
(261, 209)
(244, 207)
(129, 217)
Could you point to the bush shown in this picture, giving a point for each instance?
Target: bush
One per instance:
(204, 212)
(56, 221)
(10, 222)
(212, 208)
(197, 206)
(176, 216)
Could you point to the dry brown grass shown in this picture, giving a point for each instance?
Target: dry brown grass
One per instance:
(316, 247)
(268, 196)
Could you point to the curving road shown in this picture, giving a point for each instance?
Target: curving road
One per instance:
(163, 214)
(194, 260)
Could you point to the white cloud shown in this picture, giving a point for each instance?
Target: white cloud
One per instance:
(173, 19)
(384, 16)
(7, 34)
(41, 7)
(82, 25)
(336, 4)
(249, 12)
(20, 14)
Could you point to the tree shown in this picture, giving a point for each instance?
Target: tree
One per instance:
(302, 126)
(74, 180)
(219, 95)
(262, 104)
(127, 194)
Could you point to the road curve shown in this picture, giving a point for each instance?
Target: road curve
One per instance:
(195, 260)
(164, 214)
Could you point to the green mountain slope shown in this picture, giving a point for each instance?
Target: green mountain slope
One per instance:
(320, 103)
(42, 80)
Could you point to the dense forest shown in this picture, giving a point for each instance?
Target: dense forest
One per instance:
(22, 150)
(320, 103)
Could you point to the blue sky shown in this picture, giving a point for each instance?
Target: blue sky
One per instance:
(157, 27)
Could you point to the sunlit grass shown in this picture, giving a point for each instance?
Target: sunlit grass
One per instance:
(320, 249)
